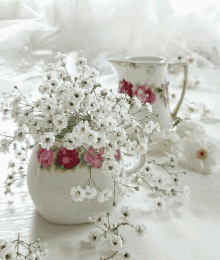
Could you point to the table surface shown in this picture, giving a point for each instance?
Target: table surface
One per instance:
(185, 230)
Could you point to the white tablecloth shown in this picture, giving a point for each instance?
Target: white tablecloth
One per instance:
(182, 231)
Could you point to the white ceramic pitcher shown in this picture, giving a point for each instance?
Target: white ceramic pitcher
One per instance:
(150, 73)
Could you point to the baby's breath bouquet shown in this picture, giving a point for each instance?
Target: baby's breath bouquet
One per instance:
(88, 122)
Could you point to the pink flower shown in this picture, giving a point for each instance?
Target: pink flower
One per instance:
(88, 157)
(118, 155)
(145, 94)
(97, 159)
(68, 158)
(125, 86)
(45, 157)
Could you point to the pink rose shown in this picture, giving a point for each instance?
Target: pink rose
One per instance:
(118, 155)
(88, 157)
(68, 158)
(125, 86)
(142, 91)
(95, 160)
(45, 157)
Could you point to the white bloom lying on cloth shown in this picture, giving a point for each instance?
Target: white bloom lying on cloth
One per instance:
(200, 153)
(164, 141)
(187, 127)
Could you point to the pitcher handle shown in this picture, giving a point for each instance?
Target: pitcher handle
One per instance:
(185, 66)
(142, 157)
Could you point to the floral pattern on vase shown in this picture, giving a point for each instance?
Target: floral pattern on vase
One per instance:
(62, 159)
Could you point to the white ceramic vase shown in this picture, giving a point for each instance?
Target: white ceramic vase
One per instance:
(50, 188)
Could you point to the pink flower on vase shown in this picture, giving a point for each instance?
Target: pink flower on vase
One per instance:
(88, 157)
(145, 94)
(45, 157)
(125, 86)
(68, 158)
(97, 159)
(118, 155)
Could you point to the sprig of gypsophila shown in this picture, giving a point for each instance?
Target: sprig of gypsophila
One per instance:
(109, 233)
(23, 250)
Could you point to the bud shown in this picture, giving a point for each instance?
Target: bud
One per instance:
(137, 188)
(115, 225)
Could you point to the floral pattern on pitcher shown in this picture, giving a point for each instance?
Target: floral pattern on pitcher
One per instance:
(62, 159)
(162, 91)
(146, 93)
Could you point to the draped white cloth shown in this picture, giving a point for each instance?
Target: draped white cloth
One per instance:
(104, 28)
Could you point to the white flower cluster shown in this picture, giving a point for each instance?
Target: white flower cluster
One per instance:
(79, 194)
(110, 236)
(79, 113)
(34, 250)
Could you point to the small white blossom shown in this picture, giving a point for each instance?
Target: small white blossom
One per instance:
(81, 62)
(98, 219)
(126, 255)
(68, 141)
(150, 126)
(3, 244)
(60, 56)
(115, 242)
(140, 230)
(172, 160)
(104, 195)
(60, 121)
(94, 238)
(35, 256)
(45, 88)
(4, 146)
(89, 193)
(54, 84)
(48, 107)
(78, 193)
(47, 140)
(8, 253)
(90, 137)
(159, 203)
(125, 214)
(20, 134)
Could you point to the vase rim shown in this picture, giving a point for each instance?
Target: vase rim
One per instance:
(139, 59)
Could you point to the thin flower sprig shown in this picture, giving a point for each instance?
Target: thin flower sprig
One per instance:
(19, 249)
(18, 167)
(110, 236)
(161, 188)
